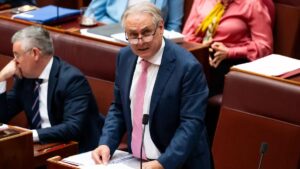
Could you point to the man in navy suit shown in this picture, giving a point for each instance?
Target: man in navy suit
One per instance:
(175, 98)
(66, 106)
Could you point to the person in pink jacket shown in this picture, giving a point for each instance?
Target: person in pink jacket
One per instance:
(242, 31)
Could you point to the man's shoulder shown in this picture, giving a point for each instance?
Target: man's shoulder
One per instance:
(181, 54)
(65, 67)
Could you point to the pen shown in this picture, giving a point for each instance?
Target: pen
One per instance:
(53, 148)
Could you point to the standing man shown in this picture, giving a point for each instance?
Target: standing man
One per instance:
(154, 76)
(55, 96)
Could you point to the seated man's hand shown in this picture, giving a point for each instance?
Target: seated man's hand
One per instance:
(9, 70)
(101, 154)
(152, 165)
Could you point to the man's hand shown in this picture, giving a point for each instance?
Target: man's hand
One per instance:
(101, 154)
(221, 53)
(9, 70)
(152, 165)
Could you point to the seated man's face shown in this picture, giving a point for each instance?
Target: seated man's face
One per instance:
(24, 60)
(145, 36)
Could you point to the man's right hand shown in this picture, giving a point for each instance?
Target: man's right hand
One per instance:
(101, 154)
(9, 70)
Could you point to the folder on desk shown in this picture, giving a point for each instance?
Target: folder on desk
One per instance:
(49, 15)
(106, 30)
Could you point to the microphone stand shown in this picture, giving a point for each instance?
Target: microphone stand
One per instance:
(57, 11)
(145, 122)
(263, 150)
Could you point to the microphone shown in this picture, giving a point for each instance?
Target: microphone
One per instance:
(145, 122)
(263, 150)
(57, 11)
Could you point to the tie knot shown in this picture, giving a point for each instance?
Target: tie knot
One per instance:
(38, 81)
(145, 64)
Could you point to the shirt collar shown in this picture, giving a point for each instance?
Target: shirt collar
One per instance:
(46, 72)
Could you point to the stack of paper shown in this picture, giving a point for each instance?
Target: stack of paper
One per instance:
(272, 65)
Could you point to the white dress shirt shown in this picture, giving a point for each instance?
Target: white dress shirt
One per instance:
(43, 97)
(151, 150)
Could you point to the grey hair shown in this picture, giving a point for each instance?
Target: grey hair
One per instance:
(34, 36)
(143, 7)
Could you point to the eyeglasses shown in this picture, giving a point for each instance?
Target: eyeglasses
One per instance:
(17, 56)
(145, 37)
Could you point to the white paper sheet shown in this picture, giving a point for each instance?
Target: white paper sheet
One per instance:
(120, 159)
(271, 65)
(3, 126)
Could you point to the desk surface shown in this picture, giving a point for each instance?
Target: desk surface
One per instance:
(73, 27)
(20, 152)
(74, 47)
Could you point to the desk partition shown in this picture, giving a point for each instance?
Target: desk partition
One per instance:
(14, 152)
(258, 110)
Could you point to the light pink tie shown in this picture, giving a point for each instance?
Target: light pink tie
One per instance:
(137, 128)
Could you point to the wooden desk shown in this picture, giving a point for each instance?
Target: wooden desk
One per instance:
(75, 47)
(14, 152)
(44, 151)
(19, 152)
(73, 27)
(56, 163)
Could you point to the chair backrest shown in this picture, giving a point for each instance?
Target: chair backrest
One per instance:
(240, 135)
(287, 30)
(257, 109)
(103, 92)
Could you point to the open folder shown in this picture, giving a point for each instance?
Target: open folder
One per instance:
(48, 15)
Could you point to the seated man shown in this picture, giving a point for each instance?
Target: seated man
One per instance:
(59, 105)
(110, 11)
(159, 79)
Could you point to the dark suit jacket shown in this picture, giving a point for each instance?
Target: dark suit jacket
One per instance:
(72, 109)
(177, 109)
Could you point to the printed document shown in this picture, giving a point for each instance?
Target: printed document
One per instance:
(271, 65)
(120, 159)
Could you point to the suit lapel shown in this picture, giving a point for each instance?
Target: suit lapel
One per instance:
(52, 85)
(165, 71)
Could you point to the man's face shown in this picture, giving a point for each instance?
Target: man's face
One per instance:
(25, 60)
(148, 36)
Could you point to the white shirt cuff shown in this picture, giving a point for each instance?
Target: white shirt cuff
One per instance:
(2, 87)
(35, 136)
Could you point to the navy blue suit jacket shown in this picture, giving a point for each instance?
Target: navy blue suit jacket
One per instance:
(177, 109)
(72, 109)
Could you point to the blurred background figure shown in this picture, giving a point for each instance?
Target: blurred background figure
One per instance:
(16, 3)
(111, 11)
(235, 31)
